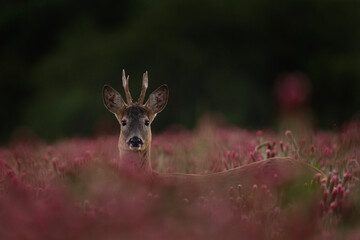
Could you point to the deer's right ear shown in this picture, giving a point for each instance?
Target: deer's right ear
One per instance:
(112, 99)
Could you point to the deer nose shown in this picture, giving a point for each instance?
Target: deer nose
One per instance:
(135, 142)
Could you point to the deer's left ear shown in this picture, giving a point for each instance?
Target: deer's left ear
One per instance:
(158, 99)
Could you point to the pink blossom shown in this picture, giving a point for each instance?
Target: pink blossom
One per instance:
(77, 187)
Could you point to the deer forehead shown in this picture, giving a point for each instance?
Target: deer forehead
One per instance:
(135, 113)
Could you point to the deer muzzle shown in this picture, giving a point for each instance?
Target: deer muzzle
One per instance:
(135, 143)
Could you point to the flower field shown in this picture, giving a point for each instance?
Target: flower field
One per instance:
(75, 189)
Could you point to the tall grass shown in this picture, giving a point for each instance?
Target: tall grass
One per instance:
(75, 189)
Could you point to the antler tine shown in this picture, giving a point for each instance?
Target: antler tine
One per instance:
(125, 82)
(143, 88)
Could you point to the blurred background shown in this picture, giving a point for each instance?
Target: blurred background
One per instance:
(257, 63)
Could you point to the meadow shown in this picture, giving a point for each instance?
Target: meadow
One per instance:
(75, 189)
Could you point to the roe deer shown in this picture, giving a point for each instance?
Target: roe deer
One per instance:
(134, 145)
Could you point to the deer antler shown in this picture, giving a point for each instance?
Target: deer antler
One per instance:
(125, 82)
(144, 87)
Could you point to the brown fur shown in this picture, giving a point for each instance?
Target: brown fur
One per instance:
(135, 115)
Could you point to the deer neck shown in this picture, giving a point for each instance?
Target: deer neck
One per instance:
(140, 161)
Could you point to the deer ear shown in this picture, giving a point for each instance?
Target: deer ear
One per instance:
(112, 99)
(158, 99)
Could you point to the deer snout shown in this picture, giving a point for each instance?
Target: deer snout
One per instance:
(135, 143)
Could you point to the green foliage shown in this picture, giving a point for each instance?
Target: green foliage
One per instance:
(221, 56)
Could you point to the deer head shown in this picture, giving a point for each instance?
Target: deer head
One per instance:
(135, 118)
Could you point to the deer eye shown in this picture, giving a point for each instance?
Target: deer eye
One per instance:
(147, 122)
(123, 123)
